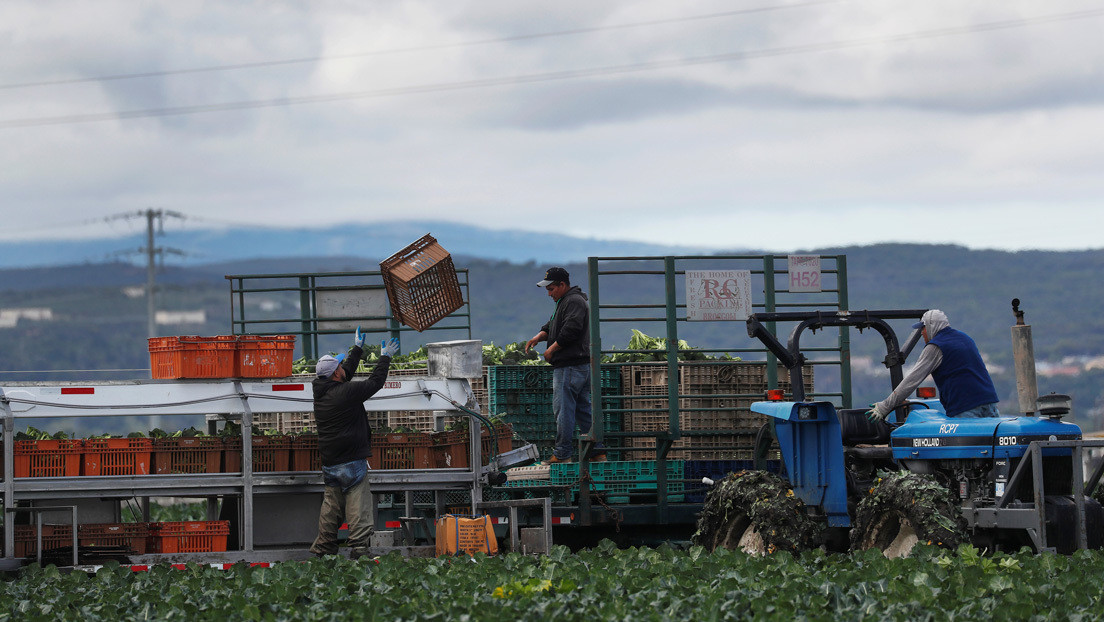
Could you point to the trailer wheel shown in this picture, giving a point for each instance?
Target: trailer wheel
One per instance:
(756, 511)
(905, 509)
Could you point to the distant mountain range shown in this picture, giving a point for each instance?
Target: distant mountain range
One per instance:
(375, 241)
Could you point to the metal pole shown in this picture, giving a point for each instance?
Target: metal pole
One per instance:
(844, 332)
(9, 475)
(672, 348)
(598, 426)
(150, 270)
(247, 468)
(768, 303)
(310, 340)
(76, 559)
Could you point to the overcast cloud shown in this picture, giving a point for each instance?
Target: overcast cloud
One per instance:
(985, 136)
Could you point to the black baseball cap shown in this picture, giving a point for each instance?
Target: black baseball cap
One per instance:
(554, 275)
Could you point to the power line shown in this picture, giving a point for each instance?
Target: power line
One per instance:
(546, 76)
(421, 48)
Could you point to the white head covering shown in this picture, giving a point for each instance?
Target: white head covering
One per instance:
(935, 320)
(328, 364)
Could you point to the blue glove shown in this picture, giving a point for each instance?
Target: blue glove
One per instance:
(390, 347)
(359, 341)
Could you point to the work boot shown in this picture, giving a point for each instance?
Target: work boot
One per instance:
(555, 460)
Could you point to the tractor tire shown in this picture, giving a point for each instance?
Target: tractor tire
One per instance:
(756, 512)
(906, 509)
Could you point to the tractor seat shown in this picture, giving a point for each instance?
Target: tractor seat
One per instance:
(856, 429)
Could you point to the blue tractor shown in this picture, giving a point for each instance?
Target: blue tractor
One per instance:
(921, 476)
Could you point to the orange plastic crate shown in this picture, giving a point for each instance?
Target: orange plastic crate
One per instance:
(450, 450)
(502, 442)
(421, 284)
(401, 451)
(199, 454)
(304, 453)
(192, 357)
(264, 356)
(389, 451)
(134, 536)
(53, 537)
(117, 456)
(48, 458)
(270, 453)
(188, 537)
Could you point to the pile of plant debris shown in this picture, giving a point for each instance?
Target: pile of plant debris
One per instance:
(921, 500)
(764, 501)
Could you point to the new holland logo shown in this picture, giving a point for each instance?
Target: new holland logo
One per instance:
(926, 442)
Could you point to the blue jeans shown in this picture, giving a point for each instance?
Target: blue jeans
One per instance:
(985, 410)
(346, 498)
(571, 405)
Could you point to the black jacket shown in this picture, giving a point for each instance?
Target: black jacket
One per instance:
(343, 431)
(569, 326)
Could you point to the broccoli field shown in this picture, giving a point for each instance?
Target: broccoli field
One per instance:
(604, 583)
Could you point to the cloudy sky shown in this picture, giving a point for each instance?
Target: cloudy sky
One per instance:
(750, 124)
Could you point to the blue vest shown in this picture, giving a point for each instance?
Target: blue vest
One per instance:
(963, 381)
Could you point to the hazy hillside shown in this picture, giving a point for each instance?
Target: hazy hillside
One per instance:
(373, 241)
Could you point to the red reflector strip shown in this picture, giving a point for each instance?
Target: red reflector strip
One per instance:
(261, 564)
(499, 521)
(288, 387)
(78, 390)
(139, 568)
(561, 520)
(392, 524)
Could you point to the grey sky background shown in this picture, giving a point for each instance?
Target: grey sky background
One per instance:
(829, 123)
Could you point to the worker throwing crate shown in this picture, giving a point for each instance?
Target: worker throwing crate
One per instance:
(345, 443)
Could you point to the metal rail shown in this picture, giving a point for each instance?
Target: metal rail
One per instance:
(671, 270)
(1033, 519)
(303, 289)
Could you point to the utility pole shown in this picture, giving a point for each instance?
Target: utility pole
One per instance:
(154, 254)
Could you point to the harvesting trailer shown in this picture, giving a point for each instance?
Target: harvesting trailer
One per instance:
(1014, 480)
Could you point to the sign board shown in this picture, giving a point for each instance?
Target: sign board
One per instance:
(804, 273)
(351, 303)
(718, 295)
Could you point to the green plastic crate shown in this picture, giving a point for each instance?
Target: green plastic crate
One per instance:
(622, 478)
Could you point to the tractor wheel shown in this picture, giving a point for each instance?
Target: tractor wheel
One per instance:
(740, 534)
(756, 512)
(903, 510)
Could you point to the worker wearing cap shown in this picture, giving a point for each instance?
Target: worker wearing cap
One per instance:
(953, 360)
(345, 443)
(568, 335)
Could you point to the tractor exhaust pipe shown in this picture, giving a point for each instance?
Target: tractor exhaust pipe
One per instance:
(1023, 357)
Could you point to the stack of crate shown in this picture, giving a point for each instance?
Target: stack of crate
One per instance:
(424, 420)
(522, 396)
(716, 396)
(303, 423)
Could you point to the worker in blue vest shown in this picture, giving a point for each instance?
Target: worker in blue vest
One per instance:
(952, 359)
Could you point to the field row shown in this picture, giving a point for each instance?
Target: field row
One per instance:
(600, 584)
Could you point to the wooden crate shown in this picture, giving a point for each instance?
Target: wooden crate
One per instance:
(421, 284)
